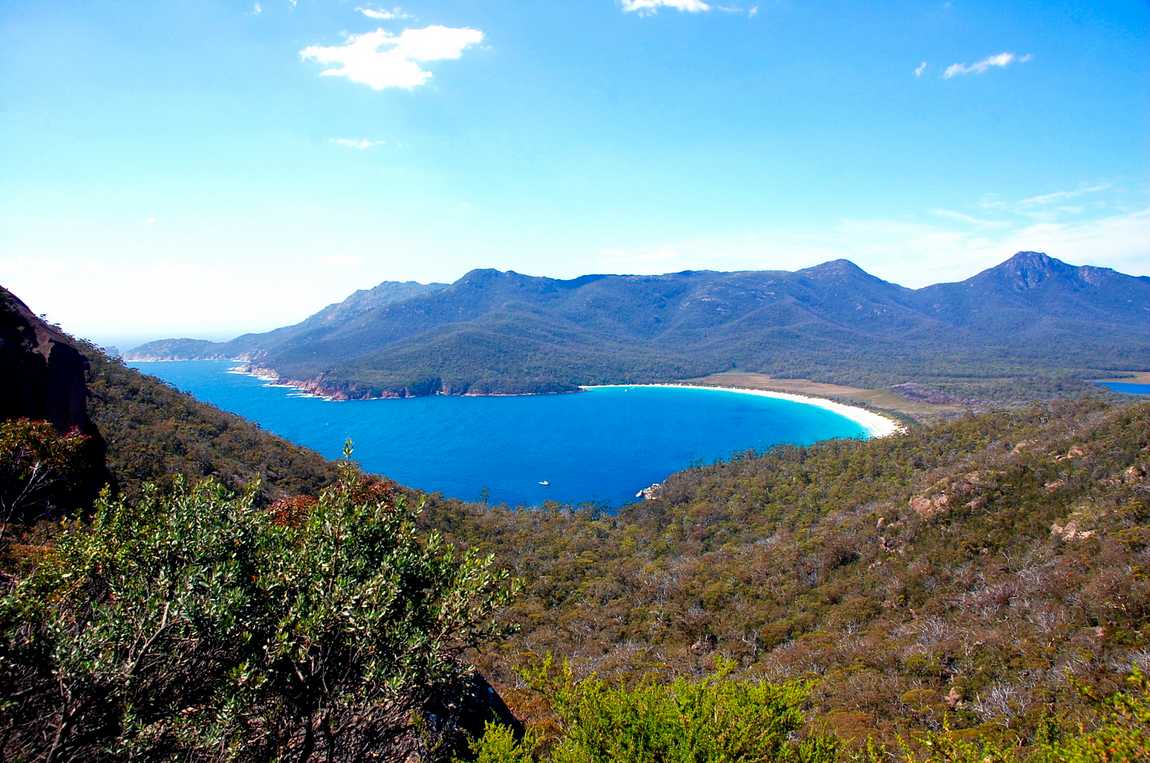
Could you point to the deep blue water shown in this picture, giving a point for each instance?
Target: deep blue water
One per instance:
(598, 446)
(1127, 388)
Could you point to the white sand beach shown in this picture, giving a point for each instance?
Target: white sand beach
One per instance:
(876, 424)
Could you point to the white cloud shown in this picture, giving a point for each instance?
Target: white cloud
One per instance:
(997, 61)
(383, 60)
(395, 14)
(918, 70)
(359, 144)
(648, 7)
(257, 9)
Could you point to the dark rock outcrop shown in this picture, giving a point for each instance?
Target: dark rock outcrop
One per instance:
(43, 376)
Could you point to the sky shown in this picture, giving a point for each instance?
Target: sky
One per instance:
(208, 167)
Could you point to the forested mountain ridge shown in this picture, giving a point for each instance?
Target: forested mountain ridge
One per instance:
(494, 331)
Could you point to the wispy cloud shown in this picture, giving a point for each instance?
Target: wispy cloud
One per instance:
(648, 7)
(383, 60)
(257, 9)
(997, 61)
(908, 252)
(1050, 198)
(971, 220)
(920, 69)
(379, 14)
(359, 144)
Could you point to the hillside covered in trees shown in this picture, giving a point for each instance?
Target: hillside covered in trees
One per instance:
(973, 575)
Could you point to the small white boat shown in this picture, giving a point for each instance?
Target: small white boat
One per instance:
(545, 483)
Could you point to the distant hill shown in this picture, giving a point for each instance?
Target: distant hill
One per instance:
(139, 428)
(494, 331)
(362, 301)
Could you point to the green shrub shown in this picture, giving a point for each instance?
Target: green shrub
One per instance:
(196, 625)
(712, 719)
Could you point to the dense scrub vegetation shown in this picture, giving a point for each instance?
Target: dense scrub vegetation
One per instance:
(195, 625)
(709, 719)
(716, 719)
(963, 576)
(154, 432)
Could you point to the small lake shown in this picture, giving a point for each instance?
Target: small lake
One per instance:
(600, 446)
(1127, 388)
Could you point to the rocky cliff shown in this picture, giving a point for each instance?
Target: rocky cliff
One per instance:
(43, 376)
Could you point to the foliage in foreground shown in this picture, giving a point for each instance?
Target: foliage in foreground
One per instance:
(718, 718)
(712, 719)
(197, 625)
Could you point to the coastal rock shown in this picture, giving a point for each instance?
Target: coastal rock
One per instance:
(650, 493)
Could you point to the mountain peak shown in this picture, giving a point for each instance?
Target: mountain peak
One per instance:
(1027, 270)
(840, 268)
(1035, 262)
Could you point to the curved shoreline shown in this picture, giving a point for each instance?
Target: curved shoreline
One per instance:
(875, 424)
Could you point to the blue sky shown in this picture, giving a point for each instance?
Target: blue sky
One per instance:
(204, 167)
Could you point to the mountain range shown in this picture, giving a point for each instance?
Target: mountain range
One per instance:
(504, 332)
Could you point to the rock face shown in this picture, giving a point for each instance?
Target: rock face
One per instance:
(1070, 532)
(462, 714)
(929, 506)
(43, 376)
(43, 373)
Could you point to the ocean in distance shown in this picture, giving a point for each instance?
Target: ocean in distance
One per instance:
(600, 446)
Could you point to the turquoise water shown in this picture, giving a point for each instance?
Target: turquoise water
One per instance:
(599, 446)
(1127, 388)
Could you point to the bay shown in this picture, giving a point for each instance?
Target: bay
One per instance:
(600, 446)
